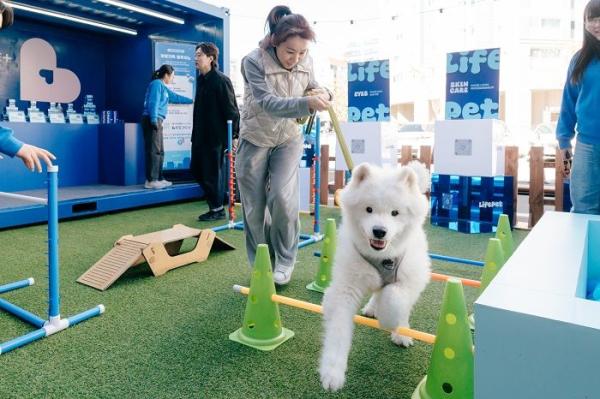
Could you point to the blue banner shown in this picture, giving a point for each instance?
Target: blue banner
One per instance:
(369, 91)
(472, 84)
(177, 127)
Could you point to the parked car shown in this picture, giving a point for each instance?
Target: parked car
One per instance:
(415, 134)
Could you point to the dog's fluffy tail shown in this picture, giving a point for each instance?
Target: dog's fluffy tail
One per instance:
(423, 175)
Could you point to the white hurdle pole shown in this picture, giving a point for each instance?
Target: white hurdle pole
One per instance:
(27, 198)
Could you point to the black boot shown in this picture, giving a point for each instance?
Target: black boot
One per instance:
(212, 215)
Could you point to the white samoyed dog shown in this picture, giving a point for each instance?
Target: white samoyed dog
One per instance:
(381, 251)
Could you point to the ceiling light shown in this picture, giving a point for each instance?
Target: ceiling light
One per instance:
(72, 18)
(142, 10)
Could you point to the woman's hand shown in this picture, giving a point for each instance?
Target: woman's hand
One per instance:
(323, 93)
(317, 103)
(30, 155)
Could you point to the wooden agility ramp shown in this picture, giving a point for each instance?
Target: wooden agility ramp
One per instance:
(159, 249)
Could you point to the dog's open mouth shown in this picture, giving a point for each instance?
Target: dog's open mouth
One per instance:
(378, 245)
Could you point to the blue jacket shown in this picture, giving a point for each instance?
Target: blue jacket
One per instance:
(8, 144)
(158, 96)
(580, 107)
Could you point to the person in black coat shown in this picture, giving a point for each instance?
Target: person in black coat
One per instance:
(214, 105)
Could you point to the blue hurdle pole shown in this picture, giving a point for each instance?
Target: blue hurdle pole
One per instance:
(457, 260)
(54, 323)
(311, 240)
(53, 265)
(21, 313)
(16, 285)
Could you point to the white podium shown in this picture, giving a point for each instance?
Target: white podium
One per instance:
(469, 147)
(373, 142)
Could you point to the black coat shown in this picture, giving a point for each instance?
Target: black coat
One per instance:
(214, 104)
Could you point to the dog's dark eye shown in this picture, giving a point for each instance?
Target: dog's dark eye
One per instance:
(394, 213)
(369, 209)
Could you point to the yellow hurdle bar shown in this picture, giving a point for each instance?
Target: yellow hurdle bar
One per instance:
(365, 321)
(340, 137)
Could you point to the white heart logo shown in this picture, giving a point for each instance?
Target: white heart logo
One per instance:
(41, 79)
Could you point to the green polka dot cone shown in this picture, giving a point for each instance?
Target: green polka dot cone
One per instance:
(262, 327)
(504, 234)
(323, 277)
(450, 373)
(494, 260)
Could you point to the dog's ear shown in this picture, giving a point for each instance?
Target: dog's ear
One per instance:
(360, 173)
(408, 176)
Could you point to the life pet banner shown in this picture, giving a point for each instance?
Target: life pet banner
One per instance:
(472, 84)
(470, 204)
(369, 91)
(177, 127)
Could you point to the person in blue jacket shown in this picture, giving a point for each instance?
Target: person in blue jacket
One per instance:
(158, 96)
(580, 116)
(9, 145)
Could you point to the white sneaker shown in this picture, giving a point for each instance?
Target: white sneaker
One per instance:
(165, 183)
(282, 274)
(154, 184)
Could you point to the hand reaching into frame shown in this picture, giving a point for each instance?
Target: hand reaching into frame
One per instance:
(33, 156)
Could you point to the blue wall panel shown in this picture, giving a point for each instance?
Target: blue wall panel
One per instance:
(76, 149)
(76, 50)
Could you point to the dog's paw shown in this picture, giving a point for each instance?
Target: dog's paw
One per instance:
(402, 340)
(332, 379)
(368, 310)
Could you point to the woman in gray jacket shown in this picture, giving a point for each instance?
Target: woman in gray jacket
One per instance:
(277, 75)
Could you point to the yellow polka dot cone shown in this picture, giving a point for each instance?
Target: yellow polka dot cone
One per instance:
(450, 374)
(262, 327)
(323, 277)
(504, 234)
(494, 260)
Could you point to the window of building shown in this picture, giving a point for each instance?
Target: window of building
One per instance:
(550, 23)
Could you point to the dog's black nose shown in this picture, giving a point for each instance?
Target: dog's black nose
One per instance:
(379, 231)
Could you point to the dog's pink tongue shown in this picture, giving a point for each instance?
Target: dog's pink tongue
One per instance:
(378, 244)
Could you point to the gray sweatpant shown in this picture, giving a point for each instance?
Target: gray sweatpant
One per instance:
(268, 183)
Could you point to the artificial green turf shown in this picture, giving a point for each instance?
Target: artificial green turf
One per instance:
(167, 337)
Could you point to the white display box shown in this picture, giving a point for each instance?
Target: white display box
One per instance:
(373, 142)
(470, 147)
(536, 335)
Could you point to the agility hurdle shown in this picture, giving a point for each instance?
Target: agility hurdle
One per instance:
(54, 323)
(362, 320)
(306, 239)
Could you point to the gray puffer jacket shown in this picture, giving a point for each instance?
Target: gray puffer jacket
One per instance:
(273, 98)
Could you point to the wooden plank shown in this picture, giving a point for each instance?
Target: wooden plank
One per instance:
(511, 168)
(558, 182)
(405, 154)
(324, 174)
(339, 180)
(425, 155)
(536, 184)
